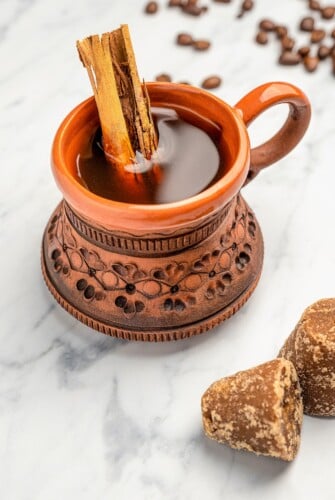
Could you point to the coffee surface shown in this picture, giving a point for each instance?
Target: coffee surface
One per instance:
(186, 162)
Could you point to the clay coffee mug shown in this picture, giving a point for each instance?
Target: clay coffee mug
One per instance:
(169, 271)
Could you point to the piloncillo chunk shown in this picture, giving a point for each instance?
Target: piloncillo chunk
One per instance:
(311, 348)
(258, 410)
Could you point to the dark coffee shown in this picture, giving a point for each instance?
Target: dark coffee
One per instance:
(186, 162)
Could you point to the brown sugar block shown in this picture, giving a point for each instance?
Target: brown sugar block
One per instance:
(258, 410)
(311, 348)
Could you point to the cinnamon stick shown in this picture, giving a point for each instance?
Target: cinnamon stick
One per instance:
(122, 101)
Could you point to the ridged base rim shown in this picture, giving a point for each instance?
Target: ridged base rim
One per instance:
(159, 336)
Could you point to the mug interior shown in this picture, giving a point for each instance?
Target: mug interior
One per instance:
(203, 110)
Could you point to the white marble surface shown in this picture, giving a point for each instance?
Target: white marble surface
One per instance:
(84, 416)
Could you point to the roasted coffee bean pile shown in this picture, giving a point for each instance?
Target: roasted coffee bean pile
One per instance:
(193, 8)
(320, 45)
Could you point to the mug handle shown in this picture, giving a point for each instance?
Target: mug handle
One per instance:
(263, 98)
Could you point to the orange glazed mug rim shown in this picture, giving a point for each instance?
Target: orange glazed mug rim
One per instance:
(127, 216)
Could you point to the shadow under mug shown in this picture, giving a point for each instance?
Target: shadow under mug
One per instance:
(168, 271)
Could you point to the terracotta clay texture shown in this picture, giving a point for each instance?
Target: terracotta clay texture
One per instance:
(311, 348)
(169, 271)
(152, 284)
(257, 410)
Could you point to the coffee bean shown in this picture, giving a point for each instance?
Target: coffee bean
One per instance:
(267, 25)
(317, 36)
(281, 31)
(175, 3)
(323, 52)
(262, 38)
(184, 39)
(222, 1)
(328, 12)
(192, 10)
(304, 51)
(151, 8)
(201, 44)
(287, 43)
(311, 63)
(212, 82)
(307, 24)
(314, 5)
(247, 5)
(163, 77)
(288, 58)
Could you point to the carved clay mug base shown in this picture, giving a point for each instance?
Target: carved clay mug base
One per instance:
(122, 295)
(170, 271)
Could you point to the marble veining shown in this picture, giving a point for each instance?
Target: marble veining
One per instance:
(86, 416)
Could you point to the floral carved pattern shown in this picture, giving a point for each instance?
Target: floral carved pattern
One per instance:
(175, 286)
